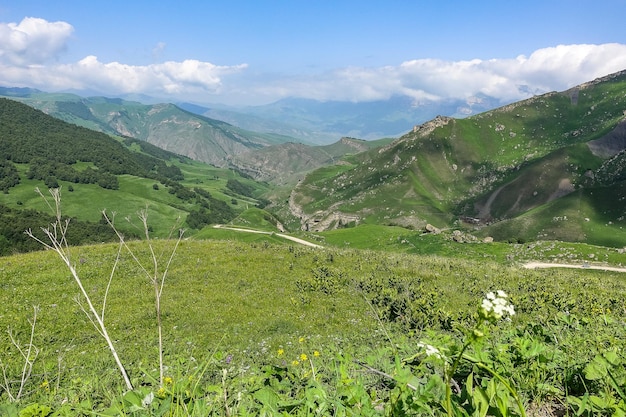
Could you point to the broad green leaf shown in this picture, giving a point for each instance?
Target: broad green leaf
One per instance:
(596, 369)
(612, 357)
(268, 398)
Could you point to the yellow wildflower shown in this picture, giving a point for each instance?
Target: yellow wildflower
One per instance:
(301, 340)
(281, 352)
(303, 357)
(168, 380)
(295, 363)
(316, 354)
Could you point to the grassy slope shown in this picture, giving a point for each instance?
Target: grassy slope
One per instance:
(527, 151)
(87, 201)
(247, 300)
(219, 295)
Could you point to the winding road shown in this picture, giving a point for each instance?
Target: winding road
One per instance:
(284, 236)
(535, 265)
(528, 265)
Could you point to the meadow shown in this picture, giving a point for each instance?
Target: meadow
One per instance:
(264, 327)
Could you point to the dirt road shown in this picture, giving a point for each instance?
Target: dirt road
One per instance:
(535, 265)
(284, 236)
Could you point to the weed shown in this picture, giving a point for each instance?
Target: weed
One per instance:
(56, 234)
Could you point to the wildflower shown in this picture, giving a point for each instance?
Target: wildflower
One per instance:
(168, 380)
(281, 352)
(295, 363)
(303, 357)
(316, 354)
(430, 350)
(495, 306)
(301, 340)
(147, 400)
(161, 393)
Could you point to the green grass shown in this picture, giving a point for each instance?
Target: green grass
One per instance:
(234, 305)
(592, 216)
(87, 201)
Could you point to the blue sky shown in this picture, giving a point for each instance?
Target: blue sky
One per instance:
(254, 52)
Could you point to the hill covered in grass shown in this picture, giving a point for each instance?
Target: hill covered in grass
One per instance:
(553, 156)
(264, 156)
(98, 172)
(255, 327)
(164, 125)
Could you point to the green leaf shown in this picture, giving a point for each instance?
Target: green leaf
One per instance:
(268, 398)
(133, 398)
(480, 401)
(612, 357)
(596, 369)
(35, 410)
(8, 410)
(601, 403)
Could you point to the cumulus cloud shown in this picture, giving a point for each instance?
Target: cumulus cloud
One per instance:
(32, 41)
(26, 49)
(548, 69)
(169, 78)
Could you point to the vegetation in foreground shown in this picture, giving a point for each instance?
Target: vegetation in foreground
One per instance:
(260, 329)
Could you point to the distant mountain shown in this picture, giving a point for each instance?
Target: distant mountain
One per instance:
(284, 163)
(558, 154)
(164, 125)
(264, 156)
(325, 122)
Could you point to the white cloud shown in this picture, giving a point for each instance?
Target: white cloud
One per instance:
(549, 69)
(28, 51)
(32, 41)
(189, 77)
(26, 47)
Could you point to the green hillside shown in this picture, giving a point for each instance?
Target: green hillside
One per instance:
(97, 172)
(257, 327)
(484, 169)
(265, 156)
(286, 163)
(164, 125)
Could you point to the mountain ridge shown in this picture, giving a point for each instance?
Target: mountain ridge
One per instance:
(494, 166)
(309, 119)
(165, 125)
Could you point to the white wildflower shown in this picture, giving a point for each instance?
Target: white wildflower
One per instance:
(430, 350)
(496, 305)
(147, 400)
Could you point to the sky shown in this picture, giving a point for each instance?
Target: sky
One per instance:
(256, 52)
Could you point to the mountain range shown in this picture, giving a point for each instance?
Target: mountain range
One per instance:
(549, 167)
(183, 132)
(323, 122)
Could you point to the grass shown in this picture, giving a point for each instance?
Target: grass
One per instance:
(229, 303)
(86, 201)
(240, 300)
